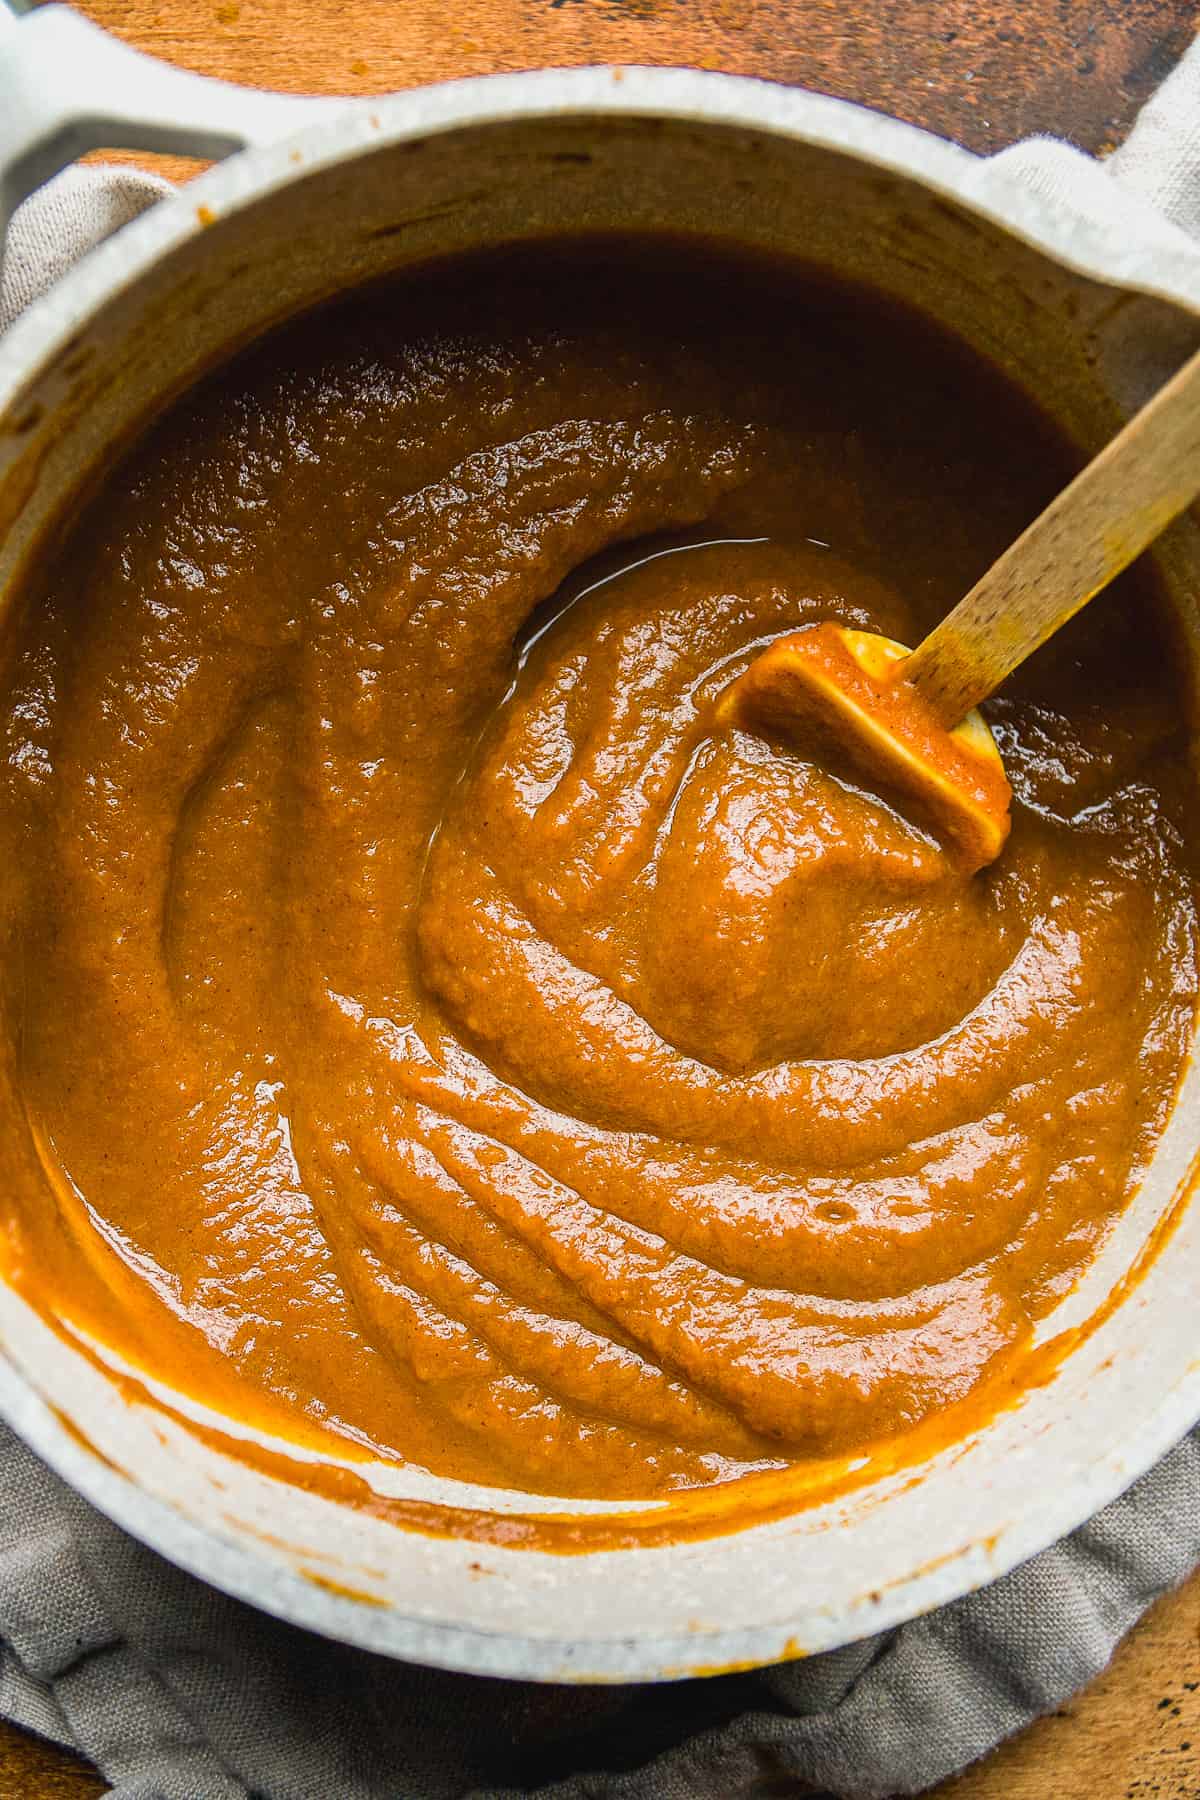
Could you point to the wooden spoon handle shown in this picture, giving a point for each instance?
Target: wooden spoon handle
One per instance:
(1110, 512)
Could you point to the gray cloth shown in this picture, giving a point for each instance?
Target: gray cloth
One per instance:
(68, 218)
(179, 1693)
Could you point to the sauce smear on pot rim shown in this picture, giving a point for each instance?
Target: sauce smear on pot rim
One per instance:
(430, 1033)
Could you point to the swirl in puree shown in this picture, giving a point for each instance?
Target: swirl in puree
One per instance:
(441, 1038)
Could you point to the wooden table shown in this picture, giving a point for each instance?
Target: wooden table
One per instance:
(982, 71)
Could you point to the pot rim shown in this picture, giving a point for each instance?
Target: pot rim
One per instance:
(328, 136)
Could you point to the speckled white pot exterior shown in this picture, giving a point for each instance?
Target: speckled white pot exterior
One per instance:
(1086, 320)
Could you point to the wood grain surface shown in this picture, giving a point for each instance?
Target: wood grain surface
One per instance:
(981, 71)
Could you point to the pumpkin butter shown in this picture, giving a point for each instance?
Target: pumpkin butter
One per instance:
(431, 1033)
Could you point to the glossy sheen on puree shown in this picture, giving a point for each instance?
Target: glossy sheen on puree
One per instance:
(435, 1033)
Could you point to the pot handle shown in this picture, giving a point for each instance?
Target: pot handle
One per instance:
(67, 87)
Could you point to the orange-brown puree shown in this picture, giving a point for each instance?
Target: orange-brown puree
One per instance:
(435, 1036)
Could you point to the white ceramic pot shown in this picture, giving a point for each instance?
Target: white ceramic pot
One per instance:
(1085, 320)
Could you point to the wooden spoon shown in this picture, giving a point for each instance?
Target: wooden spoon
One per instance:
(905, 718)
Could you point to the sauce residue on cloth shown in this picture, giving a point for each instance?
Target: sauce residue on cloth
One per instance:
(427, 1034)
